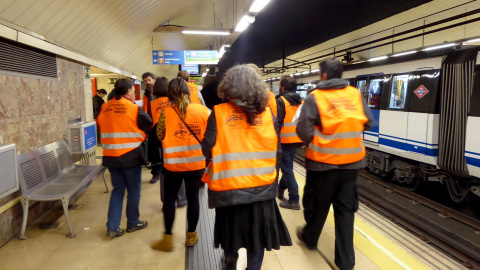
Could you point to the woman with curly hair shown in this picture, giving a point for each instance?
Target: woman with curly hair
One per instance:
(180, 129)
(242, 141)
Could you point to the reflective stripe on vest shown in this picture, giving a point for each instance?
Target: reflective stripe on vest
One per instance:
(157, 106)
(339, 139)
(194, 93)
(181, 151)
(288, 132)
(118, 127)
(244, 155)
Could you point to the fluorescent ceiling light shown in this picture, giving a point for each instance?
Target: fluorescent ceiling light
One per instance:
(473, 40)
(222, 49)
(296, 74)
(277, 78)
(305, 72)
(201, 32)
(133, 77)
(258, 5)
(315, 70)
(242, 24)
(378, 58)
(439, 47)
(404, 53)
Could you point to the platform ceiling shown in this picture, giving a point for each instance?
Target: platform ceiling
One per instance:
(120, 32)
(301, 24)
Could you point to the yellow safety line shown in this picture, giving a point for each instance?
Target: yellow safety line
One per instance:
(379, 249)
(9, 205)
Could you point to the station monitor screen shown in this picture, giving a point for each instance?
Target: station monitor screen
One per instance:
(191, 69)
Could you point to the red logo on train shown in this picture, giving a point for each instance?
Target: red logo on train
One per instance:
(421, 91)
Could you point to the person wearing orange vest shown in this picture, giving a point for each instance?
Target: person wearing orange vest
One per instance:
(272, 102)
(243, 144)
(122, 126)
(288, 102)
(332, 122)
(181, 128)
(161, 101)
(158, 104)
(149, 80)
(195, 95)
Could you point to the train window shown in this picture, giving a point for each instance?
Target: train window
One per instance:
(374, 91)
(399, 92)
(361, 85)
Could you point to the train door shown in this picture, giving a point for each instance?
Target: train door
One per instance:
(372, 96)
(422, 128)
(394, 120)
(472, 144)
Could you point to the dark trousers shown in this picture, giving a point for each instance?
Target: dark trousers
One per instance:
(130, 179)
(254, 259)
(337, 187)
(288, 180)
(173, 181)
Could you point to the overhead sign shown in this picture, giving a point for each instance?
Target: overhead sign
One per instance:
(112, 80)
(201, 57)
(184, 57)
(421, 91)
(168, 57)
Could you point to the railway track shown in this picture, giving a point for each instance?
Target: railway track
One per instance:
(456, 234)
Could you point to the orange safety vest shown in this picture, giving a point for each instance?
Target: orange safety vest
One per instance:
(181, 151)
(145, 104)
(244, 155)
(157, 106)
(118, 127)
(288, 133)
(339, 139)
(194, 93)
(272, 103)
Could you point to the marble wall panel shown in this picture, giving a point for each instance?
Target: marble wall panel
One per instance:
(9, 102)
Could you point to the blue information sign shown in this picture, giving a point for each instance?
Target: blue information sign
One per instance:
(201, 57)
(90, 137)
(168, 57)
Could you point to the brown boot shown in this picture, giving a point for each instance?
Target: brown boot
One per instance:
(166, 244)
(192, 239)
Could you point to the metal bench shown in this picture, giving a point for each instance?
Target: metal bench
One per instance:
(49, 174)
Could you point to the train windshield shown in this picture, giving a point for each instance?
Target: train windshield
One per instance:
(399, 92)
(374, 92)
(361, 86)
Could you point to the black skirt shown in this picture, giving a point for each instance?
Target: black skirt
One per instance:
(254, 226)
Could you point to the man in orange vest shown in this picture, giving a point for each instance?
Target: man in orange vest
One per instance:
(149, 80)
(195, 95)
(288, 102)
(332, 121)
(122, 126)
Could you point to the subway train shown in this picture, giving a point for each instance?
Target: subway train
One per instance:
(427, 118)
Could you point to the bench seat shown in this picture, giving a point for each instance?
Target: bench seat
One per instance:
(49, 174)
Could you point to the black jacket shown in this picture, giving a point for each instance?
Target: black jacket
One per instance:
(97, 105)
(294, 99)
(111, 95)
(310, 117)
(238, 196)
(136, 157)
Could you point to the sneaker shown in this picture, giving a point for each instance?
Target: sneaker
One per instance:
(300, 237)
(139, 226)
(154, 179)
(115, 233)
(280, 194)
(290, 205)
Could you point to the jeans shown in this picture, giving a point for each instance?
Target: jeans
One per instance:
(254, 259)
(337, 187)
(288, 180)
(129, 178)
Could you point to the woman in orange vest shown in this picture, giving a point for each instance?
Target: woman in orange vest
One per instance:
(242, 140)
(181, 128)
(160, 89)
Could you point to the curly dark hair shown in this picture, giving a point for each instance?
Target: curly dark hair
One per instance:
(243, 86)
